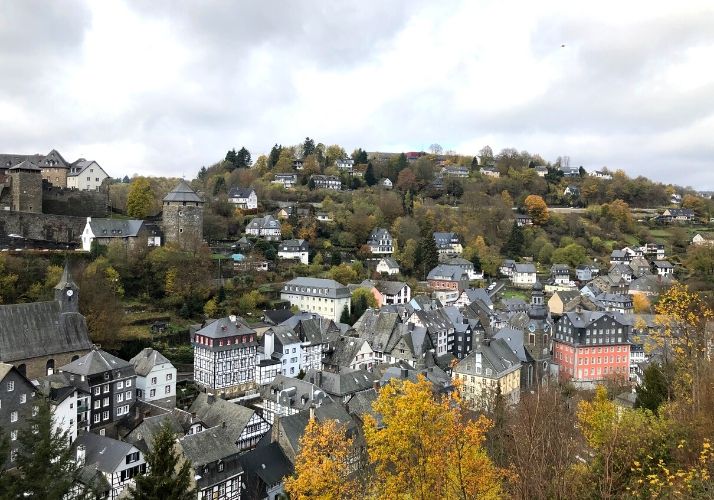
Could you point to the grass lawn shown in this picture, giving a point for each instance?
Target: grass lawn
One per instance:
(515, 294)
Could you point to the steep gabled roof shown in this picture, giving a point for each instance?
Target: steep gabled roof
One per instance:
(216, 411)
(96, 361)
(39, 329)
(183, 192)
(146, 360)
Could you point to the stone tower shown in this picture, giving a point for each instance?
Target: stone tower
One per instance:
(183, 217)
(67, 292)
(26, 181)
(539, 333)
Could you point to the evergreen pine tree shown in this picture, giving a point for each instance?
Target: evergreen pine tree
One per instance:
(654, 389)
(165, 479)
(274, 156)
(45, 461)
(345, 316)
(429, 253)
(308, 147)
(231, 159)
(243, 159)
(476, 261)
(369, 177)
(514, 246)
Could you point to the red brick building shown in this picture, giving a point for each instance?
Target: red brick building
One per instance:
(592, 346)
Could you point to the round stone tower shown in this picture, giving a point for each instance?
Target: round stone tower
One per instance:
(26, 187)
(182, 218)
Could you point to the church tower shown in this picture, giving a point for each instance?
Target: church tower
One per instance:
(67, 292)
(182, 218)
(539, 331)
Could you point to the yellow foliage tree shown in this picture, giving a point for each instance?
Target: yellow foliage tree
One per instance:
(321, 467)
(640, 303)
(683, 316)
(427, 448)
(537, 209)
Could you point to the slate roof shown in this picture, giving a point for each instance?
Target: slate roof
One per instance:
(103, 452)
(379, 328)
(662, 264)
(293, 246)
(115, 228)
(344, 383)
(444, 240)
(277, 316)
(334, 290)
(525, 268)
(283, 335)
(40, 329)
(83, 165)
(269, 463)
(293, 426)
(390, 262)
(183, 192)
(478, 294)
(209, 446)
(301, 398)
(361, 403)
(389, 287)
(26, 165)
(447, 272)
(224, 327)
(343, 351)
(267, 222)
(146, 360)
(240, 192)
(143, 435)
(495, 354)
(96, 361)
(215, 413)
(514, 338)
(379, 233)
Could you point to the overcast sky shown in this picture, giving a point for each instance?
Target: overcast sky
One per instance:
(165, 87)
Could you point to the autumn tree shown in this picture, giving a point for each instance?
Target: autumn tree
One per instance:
(321, 466)
(427, 446)
(571, 254)
(140, 199)
(406, 181)
(683, 317)
(540, 454)
(640, 303)
(537, 209)
(618, 439)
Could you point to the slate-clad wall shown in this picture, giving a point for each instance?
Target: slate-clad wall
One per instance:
(59, 228)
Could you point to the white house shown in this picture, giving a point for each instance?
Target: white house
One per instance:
(155, 378)
(63, 402)
(524, 275)
(601, 174)
(294, 250)
(86, 175)
(703, 239)
(328, 298)
(663, 267)
(490, 171)
(386, 183)
(282, 344)
(130, 232)
(288, 181)
(119, 462)
(345, 164)
(245, 198)
(381, 242)
(267, 227)
(388, 265)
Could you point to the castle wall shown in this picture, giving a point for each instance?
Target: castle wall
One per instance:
(26, 191)
(74, 202)
(59, 228)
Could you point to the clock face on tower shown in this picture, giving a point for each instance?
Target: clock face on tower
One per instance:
(531, 327)
(70, 293)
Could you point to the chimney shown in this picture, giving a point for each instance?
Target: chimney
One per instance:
(312, 412)
(210, 398)
(223, 425)
(375, 386)
(405, 373)
(81, 454)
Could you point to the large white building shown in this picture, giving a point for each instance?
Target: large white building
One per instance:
(155, 378)
(283, 344)
(224, 356)
(86, 175)
(294, 250)
(245, 198)
(328, 298)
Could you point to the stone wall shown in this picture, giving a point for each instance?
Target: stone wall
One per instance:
(74, 202)
(183, 225)
(26, 191)
(59, 228)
